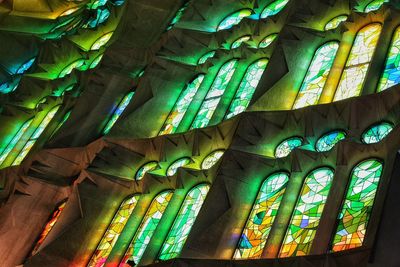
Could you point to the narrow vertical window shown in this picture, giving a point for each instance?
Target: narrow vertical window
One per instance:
(233, 19)
(356, 68)
(147, 227)
(391, 74)
(262, 216)
(214, 95)
(273, 8)
(317, 74)
(118, 111)
(247, 87)
(307, 213)
(354, 215)
(183, 223)
(335, 22)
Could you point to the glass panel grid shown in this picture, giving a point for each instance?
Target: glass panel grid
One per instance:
(329, 140)
(376, 133)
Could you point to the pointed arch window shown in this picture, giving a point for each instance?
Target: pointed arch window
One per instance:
(376, 133)
(329, 140)
(206, 56)
(147, 167)
(273, 8)
(335, 22)
(147, 227)
(118, 111)
(391, 74)
(287, 145)
(173, 168)
(317, 74)
(113, 231)
(212, 159)
(183, 223)
(307, 213)
(357, 207)
(215, 94)
(358, 62)
(233, 19)
(101, 41)
(262, 216)
(238, 42)
(267, 40)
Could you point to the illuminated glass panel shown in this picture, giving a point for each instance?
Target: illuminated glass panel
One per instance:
(247, 88)
(24, 67)
(376, 133)
(96, 61)
(273, 8)
(181, 106)
(329, 140)
(238, 42)
(286, 146)
(70, 67)
(317, 74)
(267, 40)
(205, 57)
(101, 16)
(177, 16)
(10, 86)
(173, 168)
(215, 94)
(354, 216)
(118, 111)
(113, 231)
(358, 62)
(68, 12)
(374, 5)
(307, 213)
(183, 223)
(262, 216)
(335, 22)
(147, 227)
(101, 41)
(148, 167)
(211, 159)
(391, 74)
(233, 19)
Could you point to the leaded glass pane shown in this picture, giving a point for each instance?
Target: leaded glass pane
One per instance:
(205, 57)
(286, 146)
(99, 43)
(173, 168)
(118, 111)
(148, 167)
(233, 19)
(329, 140)
(376, 133)
(335, 22)
(374, 5)
(391, 74)
(267, 40)
(273, 8)
(238, 42)
(211, 159)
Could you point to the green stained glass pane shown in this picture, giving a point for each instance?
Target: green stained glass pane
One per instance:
(238, 42)
(307, 213)
(96, 61)
(286, 146)
(173, 168)
(247, 88)
(262, 216)
(205, 57)
(273, 8)
(211, 159)
(113, 231)
(233, 19)
(267, 40)
(183, 223)
(177, 16)
(356, 68)
(182, 104)
(329, 140)
(357, 207)
(70, 67)
(317, 74)
(376, 133)
(100, 42)
(118, 111)
(391, 74)
(147, 167)
(214, 95)
(374, 5)
(147, 227)
(335, 22)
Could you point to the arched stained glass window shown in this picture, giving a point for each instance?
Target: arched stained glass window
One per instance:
(182, 104)
(335, 22)
(184, 221)
(147, 227)
(374, 5)
(70, 67)
(317, 74)
(247, 88)
(376, 133)
(357, 207)
(211, 159)
(262, 216)
(113, 231)
(358, 62)
(273, 8)
(173, 168)
(286, 146)
(24, 67)
(329, 140)
(101, 41)
(238, 42)
(215, 94)
(267, 40)
(177, 16)
(118, 111)
(145, 168)
(96, 61)
(391, 74)
(307, 213)
(205, 57)
(233, 19)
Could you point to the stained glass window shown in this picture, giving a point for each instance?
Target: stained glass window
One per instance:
(205, 57)
(96, 61)
(317, 74)
(354, 216)
(211, 159)
(358, 62)
(113, 231)
(376, 133)
(391, 74)
(118, 111)
(329, 140)
(70, 67)
(68, 12)
(100, 42)
(147, 227)
(267, 40)
(247, 88)
(147, 167)
(233, 19)
(262, 216)
(238, 42)
(183, 223)
(173, 168)
(177, 16)
(335, 22)
(182, 104)
(374, 5)
(286, 146)
(273, 8)
(24, 67)
(307, 213)
(215, 94)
